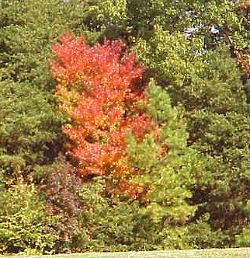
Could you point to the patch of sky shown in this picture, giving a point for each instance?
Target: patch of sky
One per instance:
(188, 32)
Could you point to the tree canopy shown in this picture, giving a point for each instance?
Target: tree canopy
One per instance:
(125, 125)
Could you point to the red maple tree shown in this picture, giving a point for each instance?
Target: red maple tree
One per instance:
(99, 88)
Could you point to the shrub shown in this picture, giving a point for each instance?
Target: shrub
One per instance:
(61, 188)
(24, 225)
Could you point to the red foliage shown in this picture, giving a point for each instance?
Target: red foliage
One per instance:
(99, 90)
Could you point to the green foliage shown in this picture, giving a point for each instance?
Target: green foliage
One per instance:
(206, 83)
(27, 33)
(88, 220)
(220, 129)
(137, 19)
(197, 187)
(30, 135)
(24, 225)
(196, 235)
(168, 177)
(108, 223)
(242, 239)
(217, 113)
(102, 223)
(29, 128)
(119, 224)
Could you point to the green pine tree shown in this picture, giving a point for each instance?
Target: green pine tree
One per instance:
(168, 179)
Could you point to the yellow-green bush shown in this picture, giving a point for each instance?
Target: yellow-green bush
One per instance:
(24, 226)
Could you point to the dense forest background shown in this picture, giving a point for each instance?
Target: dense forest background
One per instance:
(137, 143)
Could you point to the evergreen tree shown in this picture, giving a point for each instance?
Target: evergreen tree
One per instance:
(30, 133)
(220, 129)
(169, 176)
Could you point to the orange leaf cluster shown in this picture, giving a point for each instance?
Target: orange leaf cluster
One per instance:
(244, 6)
(99, 88)
(242, 58)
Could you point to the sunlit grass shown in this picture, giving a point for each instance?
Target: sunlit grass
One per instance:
(211, 253)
